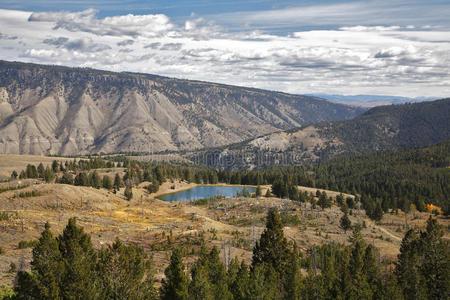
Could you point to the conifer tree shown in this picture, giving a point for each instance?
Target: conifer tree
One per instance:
(128, 192)
(81, 179)
(264, 283)
(240, 285)
(107, 182)
(43, 282)
(324, 201)
(55, 166)
(216, 272)
(175, 285)
(345, 222)
(272, 249)
(359, 288)
(200, 287)
(407, 267)
(258, 192)
(371, 272)
(95, 180)
(48, 174)
(40, 170)
(125, 273)
(118, 181)
(378, 212)
(79, 280)
(435, 265)
(293, 284)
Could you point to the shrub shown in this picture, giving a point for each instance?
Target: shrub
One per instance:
(27, 244)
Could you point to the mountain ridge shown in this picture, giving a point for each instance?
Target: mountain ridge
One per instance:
(380, 128)
(63, 110)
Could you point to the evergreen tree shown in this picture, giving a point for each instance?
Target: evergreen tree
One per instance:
(31, 171)
(118, 182)
(175, 285)
(107, 182)
(407, 267)
(371, 272)
(55, 166)
(79, 280)
(67, 178)
(81, 179)
(216, 272)
(95, 180)
(435, 267)
(272, 248)
(40, 170)
(359, 288)
(377, 213)
(258, 192)
(324, 201)
(48, 174)
(240, 285)
(293, 284)
(345, 222)
(200, 287)
(128, 192)
(125, 273)
(264, 283)
(14, 174)
(43, 282)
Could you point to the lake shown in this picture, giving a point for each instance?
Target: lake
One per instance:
(205, 191)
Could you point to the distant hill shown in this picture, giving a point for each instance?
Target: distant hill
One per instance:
(380, 128)
(61, 110)
(371, 100)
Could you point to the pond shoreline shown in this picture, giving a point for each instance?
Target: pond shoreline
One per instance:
(204, 193)
(194, 185)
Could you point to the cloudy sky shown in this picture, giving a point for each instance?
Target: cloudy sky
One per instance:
(335, 47)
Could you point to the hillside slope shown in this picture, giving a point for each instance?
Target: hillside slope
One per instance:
(60, 110)
(380, 128)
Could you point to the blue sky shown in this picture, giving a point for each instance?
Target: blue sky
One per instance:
(337, 47)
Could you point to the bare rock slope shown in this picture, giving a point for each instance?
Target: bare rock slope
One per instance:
(61, 110)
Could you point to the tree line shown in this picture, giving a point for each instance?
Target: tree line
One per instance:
(392, 180)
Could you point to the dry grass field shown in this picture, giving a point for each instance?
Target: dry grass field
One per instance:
(233, 224)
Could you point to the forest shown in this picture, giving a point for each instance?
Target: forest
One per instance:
(68, 267)
(394, 179)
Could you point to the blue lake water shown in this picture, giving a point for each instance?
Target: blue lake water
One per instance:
(201, 192)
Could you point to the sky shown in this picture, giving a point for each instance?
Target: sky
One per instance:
(336, 47)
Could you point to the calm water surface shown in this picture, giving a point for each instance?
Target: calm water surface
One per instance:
(200, 192)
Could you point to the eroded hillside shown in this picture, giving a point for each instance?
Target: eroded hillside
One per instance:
(59, 110)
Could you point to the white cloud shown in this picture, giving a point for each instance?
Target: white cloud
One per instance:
(359, 59)
(86, 21)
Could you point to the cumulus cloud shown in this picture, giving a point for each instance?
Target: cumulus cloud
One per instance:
(125, 43)
(383, 59)
(154, 45)
(83, 44)
(87, 21)
(171, 46)
(7, 37)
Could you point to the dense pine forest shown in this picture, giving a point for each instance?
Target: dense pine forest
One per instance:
(68, 267)
(394, 179)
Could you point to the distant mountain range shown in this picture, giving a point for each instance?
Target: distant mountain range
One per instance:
(371, 100)
(61, 110)
(380, 128)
